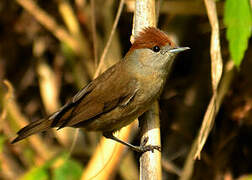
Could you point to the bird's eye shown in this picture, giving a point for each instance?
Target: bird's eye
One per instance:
(156, 48)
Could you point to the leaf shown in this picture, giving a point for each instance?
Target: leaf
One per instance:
(38, 173)
(68, 170)
(238, 19)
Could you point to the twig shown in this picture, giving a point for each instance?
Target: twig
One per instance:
(170, 167)
(104, 53)
(93, 22)
(108, 153)
(213, 107)
(216, 72)
(15, 115)
(215, 51)
(75, 138)
(49, 23)
(73, 26)
(224, 86)
(48, 87)
(105, 158)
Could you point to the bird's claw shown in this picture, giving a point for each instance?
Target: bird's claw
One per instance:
(144, 148)
(151, 148)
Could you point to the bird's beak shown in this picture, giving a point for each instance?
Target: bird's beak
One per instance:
(178, 49)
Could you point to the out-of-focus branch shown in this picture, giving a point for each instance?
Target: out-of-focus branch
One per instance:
(49, 90)
(9, 167)
(93, 22)
(105, 51)
(14, 115)
(223, 88)
(213, 107)
(182, 7)
(170, 167)
(73, 26)
(106, 157)
(128, 162)
(48, 22)
(108, 152)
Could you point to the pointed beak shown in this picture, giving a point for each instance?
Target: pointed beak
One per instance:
(178, 49)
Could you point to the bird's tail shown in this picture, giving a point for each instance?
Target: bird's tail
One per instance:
(32, 128)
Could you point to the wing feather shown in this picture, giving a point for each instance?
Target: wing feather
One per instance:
(102, 95)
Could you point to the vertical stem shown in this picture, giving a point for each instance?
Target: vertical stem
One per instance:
(214, 104)
(150, 162)
(144, 16)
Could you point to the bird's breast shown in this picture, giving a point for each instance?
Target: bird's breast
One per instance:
(150, 87)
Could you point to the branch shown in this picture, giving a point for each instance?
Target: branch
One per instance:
(150, 162)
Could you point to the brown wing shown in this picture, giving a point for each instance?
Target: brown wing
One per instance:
(102, 95)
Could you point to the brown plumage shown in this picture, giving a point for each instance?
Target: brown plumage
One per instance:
(120, 94)
(89, 103)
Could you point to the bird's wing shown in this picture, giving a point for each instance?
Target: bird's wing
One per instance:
(101, 96)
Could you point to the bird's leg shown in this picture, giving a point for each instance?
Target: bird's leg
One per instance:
(142, 148)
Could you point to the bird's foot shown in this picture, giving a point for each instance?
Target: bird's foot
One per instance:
(144, 148)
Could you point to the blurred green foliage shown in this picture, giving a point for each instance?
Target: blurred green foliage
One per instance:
(2, 140)
(38, 173)
(238, 19)
(69, 170)
(61, 168)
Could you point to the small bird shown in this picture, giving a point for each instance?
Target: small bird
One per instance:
(119, 95)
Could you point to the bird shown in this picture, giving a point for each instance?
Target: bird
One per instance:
(119, 95)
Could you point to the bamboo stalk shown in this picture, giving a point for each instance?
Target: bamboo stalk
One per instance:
(150, 162)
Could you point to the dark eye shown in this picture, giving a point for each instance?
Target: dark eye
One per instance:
(156, 48)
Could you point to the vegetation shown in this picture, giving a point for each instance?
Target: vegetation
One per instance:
(51, 49)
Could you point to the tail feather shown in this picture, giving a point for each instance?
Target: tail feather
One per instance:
(57, 119)
(32, 128)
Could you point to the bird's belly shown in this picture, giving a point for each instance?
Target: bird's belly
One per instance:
(115, 119)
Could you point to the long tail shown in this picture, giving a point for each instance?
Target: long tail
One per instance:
(58, 119)
(32, 128)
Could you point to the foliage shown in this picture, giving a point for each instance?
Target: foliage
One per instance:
(238, 19)
(62, 168)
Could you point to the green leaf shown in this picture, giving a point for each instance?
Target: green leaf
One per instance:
(238, 19)
(61, 166)
(38, 173)
(68, 170)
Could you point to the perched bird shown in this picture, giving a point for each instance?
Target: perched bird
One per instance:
(119, 95)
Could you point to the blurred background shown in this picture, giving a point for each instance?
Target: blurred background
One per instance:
(50, 49)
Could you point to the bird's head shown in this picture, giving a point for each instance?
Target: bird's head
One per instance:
(153, 48)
